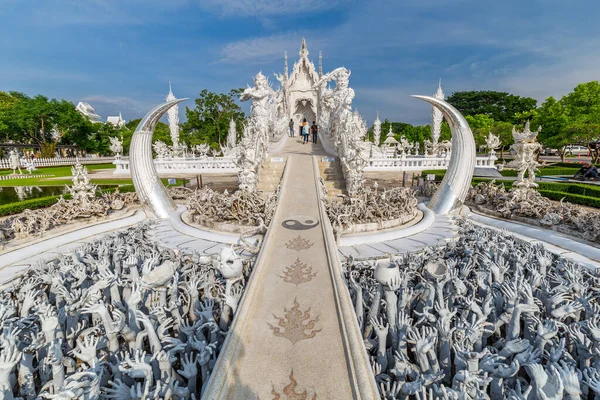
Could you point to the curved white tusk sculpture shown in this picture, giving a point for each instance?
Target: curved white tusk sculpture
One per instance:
(149, 188)
(457, 181)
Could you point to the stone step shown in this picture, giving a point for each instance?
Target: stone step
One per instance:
(269, 179)
(330, 170)
(331, 192)
(333, 177)
(271, 173)
(271, 169)
(335, 184)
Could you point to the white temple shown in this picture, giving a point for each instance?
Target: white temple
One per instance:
(117, 121)
(300, 90)
(88, 111)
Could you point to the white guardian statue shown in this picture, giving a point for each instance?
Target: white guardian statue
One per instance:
(116, 146)
(14, 161)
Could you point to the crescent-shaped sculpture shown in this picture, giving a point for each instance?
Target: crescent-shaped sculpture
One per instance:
(149, 188)
(453, 190)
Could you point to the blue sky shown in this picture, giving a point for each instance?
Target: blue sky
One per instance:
(119, 55)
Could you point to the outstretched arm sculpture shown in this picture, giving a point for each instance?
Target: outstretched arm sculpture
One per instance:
(148, 186)
(457, 181)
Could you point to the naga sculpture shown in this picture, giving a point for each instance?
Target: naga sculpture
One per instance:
(149, 188)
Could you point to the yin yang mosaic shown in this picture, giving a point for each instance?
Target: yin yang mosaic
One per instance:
(300, 222)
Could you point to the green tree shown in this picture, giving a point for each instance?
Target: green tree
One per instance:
(552, 117)
(208, 122)
(582, 107)
(500, 106)
(161, 133)
(481, 125)
(504, 131)
(6, 103)
(38, 120)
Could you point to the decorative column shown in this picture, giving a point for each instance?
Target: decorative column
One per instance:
(231, 135)
(173, 118)
(436, 118)
(377, 131)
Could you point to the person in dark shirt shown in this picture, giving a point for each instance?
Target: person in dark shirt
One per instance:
(315, 130)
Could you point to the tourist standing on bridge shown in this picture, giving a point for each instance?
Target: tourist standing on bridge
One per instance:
(291, 127)
(315, 130)
(304, 131)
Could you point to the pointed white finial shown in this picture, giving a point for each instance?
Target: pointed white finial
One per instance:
(303, 49)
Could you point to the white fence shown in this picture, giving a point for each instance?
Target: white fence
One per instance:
(207, 165)
(57, 162)
(420, 163)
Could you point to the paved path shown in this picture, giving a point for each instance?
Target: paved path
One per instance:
(292, 326)
(555, 242)
(443, 229)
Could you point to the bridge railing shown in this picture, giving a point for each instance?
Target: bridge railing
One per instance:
(184, 165)
(420, 163)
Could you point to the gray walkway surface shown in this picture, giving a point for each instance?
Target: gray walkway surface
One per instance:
(555, 242)
(443, 229)
(292, 331)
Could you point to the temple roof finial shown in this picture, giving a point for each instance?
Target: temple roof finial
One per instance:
(439, 94)
(303, 49)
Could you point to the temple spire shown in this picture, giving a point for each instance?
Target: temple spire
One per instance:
(285, 65)
(303, 49)
(320, 64)
(439, 94)
(437, 117)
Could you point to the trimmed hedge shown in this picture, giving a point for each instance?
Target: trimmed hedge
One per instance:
(571, 198)
(32, 204)
(571, 188)
(575, 164)
(41, 202)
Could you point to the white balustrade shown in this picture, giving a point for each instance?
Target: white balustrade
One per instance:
(420, 163)
(188, 165)
(60, 161)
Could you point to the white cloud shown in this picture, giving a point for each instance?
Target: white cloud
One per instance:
(107, 105)
(260, 8)
(264, 49)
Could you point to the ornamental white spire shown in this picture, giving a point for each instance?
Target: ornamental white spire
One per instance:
(377, 130)
(436, 116)
(303, 49)
(173, 118)
(231, 134)
(320, 64)
(285, 65)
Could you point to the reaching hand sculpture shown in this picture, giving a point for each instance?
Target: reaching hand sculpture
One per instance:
(80, 330)
(486, 317)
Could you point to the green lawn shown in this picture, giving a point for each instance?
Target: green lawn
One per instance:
(60, 172)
